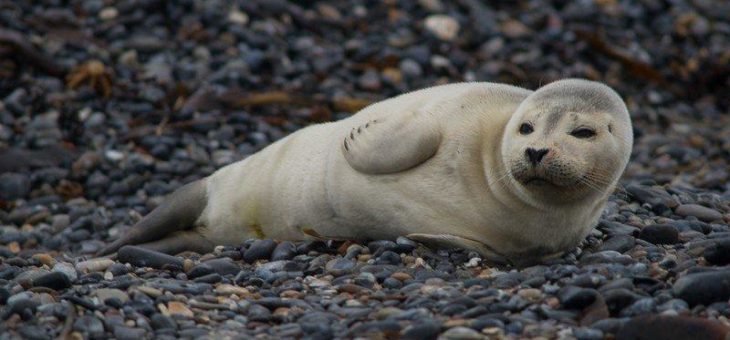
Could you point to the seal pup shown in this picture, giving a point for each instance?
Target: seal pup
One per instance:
(513, 174)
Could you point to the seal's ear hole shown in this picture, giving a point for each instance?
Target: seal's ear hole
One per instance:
(610, 128)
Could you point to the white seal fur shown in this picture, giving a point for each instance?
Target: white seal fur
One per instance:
(450, 165)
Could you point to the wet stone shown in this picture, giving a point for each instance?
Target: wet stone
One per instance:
(89, 325)
(576, 298)
(53, 280)
(619, 243)
(340, 266)
(718, 253)
(284, 251)
(702, 213)
(259, 250)
(703, 288)
(672, 327)
(660, 234)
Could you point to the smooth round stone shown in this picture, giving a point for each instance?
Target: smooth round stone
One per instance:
(379, 246)
(619, 243)
(53, 280)
(618, 299)
(660, 234)
(718, 253)
(89, 324)
(462, 333)
(405, 245)
(703, 288)
(672, 327)
(443, 27)
(223, 266)
(259, 250)
(640, 307)
(160, 321)
(577, 298)
(340, 266)
(14, 186)
(392, 283)
(128, 333)
(587, 333)
(67, 269)
(111, 293)
(22, 305)
(284, 251)
(388, 257)
(701, 212)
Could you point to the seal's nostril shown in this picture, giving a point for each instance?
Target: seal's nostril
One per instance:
(535, 156)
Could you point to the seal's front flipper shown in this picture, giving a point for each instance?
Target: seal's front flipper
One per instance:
(447, 241)
(393, 143)
(178, 212)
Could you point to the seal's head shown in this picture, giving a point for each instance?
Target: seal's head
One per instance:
(569, 139)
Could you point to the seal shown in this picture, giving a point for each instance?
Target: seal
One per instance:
(513, 174)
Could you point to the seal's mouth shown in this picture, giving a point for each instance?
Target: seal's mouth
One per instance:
(537, 180)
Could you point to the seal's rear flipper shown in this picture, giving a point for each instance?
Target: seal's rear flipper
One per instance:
(447, 241)
(178, 212)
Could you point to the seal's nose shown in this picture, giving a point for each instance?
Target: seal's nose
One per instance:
(535, 156)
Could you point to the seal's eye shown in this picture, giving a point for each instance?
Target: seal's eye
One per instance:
(583, 133)
(525, 129)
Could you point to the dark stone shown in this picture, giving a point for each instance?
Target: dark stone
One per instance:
(703, 288)
(141, 257)
(259, 250)
(89, 324)
(128, 333)
(223, 266)
(160, 321)
(427, 330)
(660, 234)
(672, 328)
(572, 297)
(284, 251)
(53, 280)
(614, 228)
(23, 306)
(619, 243)
(618, 299)
(718, 253)
(340, 266)
(701, 212)
(14, 186)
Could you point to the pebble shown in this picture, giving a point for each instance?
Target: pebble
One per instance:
(660, 234)
(672, 327)
(718, 253)
(703, 288)
(53, 280)
(178, 308)
(442, 26)
(461, 333)
(259, 250)
(702, 213)
(67, 269)
(94, 265)
(111, 293)
(14, 186)
(577, 298)
(340, 266)
(284, 251)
